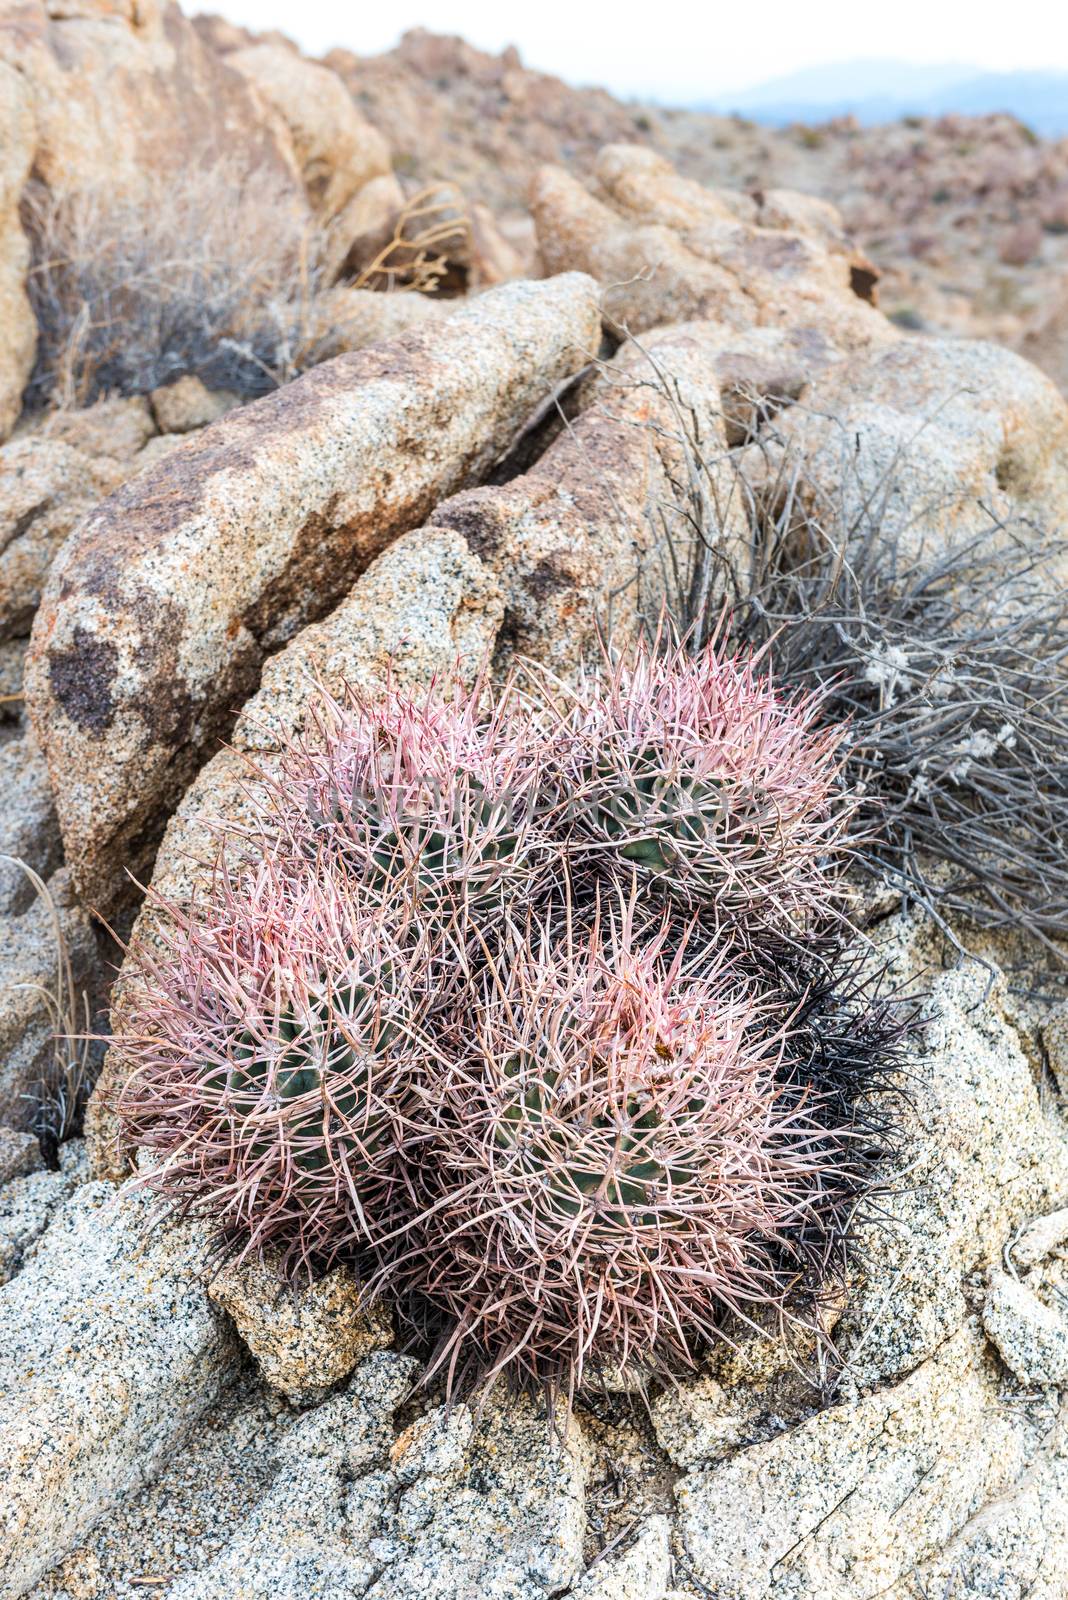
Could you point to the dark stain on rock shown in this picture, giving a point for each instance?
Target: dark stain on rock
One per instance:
(862, 281)
(548, 577)
(81, 676)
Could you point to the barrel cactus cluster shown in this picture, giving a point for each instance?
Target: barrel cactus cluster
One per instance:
(538, 1008)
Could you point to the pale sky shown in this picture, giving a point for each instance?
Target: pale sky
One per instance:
(685, 50)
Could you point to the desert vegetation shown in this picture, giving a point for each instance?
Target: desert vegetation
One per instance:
(538, 1012)
(213, 276)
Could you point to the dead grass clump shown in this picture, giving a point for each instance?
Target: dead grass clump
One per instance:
(209, 276)
(58, 1100)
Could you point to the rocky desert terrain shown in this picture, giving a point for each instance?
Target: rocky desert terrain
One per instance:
(373, 372)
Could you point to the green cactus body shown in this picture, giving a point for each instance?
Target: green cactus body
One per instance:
(329, 1111)
(664, 822)
(553, 1154)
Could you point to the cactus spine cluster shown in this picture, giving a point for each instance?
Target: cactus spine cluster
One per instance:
(532, 1007)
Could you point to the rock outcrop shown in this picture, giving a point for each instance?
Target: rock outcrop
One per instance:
(668, 250)
(937, 440)
(159, 613)
(581, 542)
(337, 150)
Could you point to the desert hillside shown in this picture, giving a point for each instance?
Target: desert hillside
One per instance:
(533, 891)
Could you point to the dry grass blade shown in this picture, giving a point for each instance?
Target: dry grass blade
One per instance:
(58, 1100)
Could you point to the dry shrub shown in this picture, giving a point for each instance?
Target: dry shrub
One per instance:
(209, 274)
(431, 232)
(945, 657)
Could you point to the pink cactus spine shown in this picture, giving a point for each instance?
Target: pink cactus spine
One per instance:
(615, 1164)
(425, 798)
(699, 776)
(274, 1042)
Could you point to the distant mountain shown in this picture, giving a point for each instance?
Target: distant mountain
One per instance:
(883, 91)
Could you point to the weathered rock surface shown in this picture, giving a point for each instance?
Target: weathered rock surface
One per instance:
(641, 1573)
(301, 1539)
(29, 1201)
(158, 615)
(188, 404)
(452, 1507)
(12, 656)
(119, 426)
(18, 330)
(489, 1508)
(1031, 1337)
(846, 1506)
(669, 250)
(122, 93)
(109, 1352)
(337, 150)
(20, 1153)
(578, 543)
(983, 1153)
(305, 1338)
(46, 487)
(935, 438)
(1055, 1039)
(30, 970)
(344, 318)
(29, 830)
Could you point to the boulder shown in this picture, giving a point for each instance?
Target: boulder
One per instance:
(29, 830)
(456, 1506)
(308, 1535)
(109, 1353)
(188, 404)
(1055, 1039)
(344, 318)
(846, 1506)
(18, 330)
(337, 150)
(982, 1152)
(126, 94)
(482, 1506)
(364, 226)
(118, 426)
(46, 487)
(158, 615)
(649, 276)
(580, 542)
(1031, 1336)
(426, 607)
(12, 656)
(305, 1337)
(934, 437)
(29, 1201)
(640, 1573)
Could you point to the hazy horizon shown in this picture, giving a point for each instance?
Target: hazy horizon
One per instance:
(691, 57)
